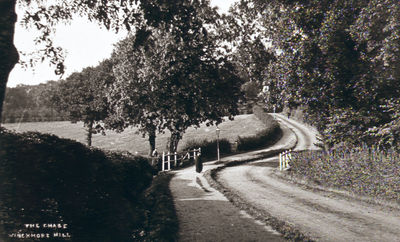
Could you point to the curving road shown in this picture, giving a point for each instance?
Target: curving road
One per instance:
(320, 214)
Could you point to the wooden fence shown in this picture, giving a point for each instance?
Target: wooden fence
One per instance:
(284, 158)
(177, 158)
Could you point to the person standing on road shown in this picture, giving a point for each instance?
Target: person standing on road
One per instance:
(154, 159)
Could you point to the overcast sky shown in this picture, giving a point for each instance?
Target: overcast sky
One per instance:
(86, 44)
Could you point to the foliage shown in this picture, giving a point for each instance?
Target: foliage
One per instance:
(263, 138)
(178, 78)
(249, 52)
(365, 171)
(43, 17)
(44, 178)
(83, 96)
(30, 104)
(338, 58)
(209, 147)
(388, 134)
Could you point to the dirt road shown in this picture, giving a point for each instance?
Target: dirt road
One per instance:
(321, 215)
(205, 214)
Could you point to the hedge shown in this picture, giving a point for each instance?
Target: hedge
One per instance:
(268, 136)
(46, 179)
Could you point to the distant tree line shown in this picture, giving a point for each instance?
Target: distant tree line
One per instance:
(31, 103)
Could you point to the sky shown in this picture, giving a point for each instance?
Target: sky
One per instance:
(85, 43)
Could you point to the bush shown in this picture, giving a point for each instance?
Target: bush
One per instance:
(365, 171)
(262, 139)
(45, 179)
(268, 136)
(262, 115)
(209, 148)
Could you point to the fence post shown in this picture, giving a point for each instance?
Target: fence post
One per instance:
(280, 161)
(287, 159)
(169, 161)
(163, 161)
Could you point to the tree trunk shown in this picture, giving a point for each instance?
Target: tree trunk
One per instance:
(8, 53)
(173, 141)
(152, 140)
(90, 132)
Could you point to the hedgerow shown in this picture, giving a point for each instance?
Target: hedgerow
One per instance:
(209, 147)
(265, 137)
(45, 179)
(365, 171)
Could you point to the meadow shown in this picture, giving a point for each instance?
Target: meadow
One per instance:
(130, 140)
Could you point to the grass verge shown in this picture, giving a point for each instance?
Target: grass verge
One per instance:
(161, 219)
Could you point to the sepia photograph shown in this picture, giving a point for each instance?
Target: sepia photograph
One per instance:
(199, 120)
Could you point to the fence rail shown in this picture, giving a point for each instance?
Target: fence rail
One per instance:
(177, 158)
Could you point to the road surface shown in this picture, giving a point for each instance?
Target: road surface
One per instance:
(321, 215)
(205, 214)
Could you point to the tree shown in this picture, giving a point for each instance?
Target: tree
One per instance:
(178, 78)
(44, 16)
(16, 104)
(83, 96)
(338, 58)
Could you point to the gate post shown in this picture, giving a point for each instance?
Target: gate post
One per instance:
(163, 161)
(169, 161)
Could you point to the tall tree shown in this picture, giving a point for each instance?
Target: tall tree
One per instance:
(45, 15)
(338, 58)
(179, 77)
(83, 96)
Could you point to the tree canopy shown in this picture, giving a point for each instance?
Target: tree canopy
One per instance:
(337, 58)
(178, 78)
(45, 15)
(83, 96)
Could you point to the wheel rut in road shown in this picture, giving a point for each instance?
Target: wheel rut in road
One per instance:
(205, 214)
(322, 216)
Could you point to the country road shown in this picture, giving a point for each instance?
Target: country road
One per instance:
(321, 215)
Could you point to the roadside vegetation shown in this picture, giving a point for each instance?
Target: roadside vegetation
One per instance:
(46, 172)
(363, 171)
(265, 136)
(45, 179)
(177, 70)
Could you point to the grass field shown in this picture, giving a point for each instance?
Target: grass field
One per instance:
(130, 140)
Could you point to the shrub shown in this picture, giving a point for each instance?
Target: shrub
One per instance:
(262, 115)
(364, 170)
(264, 138)
(45, 179)
(209, 148)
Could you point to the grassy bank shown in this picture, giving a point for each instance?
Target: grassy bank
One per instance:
(161, 219)
(264, 136)
(363, 171)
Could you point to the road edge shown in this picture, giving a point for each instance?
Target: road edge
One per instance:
(288, 231)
